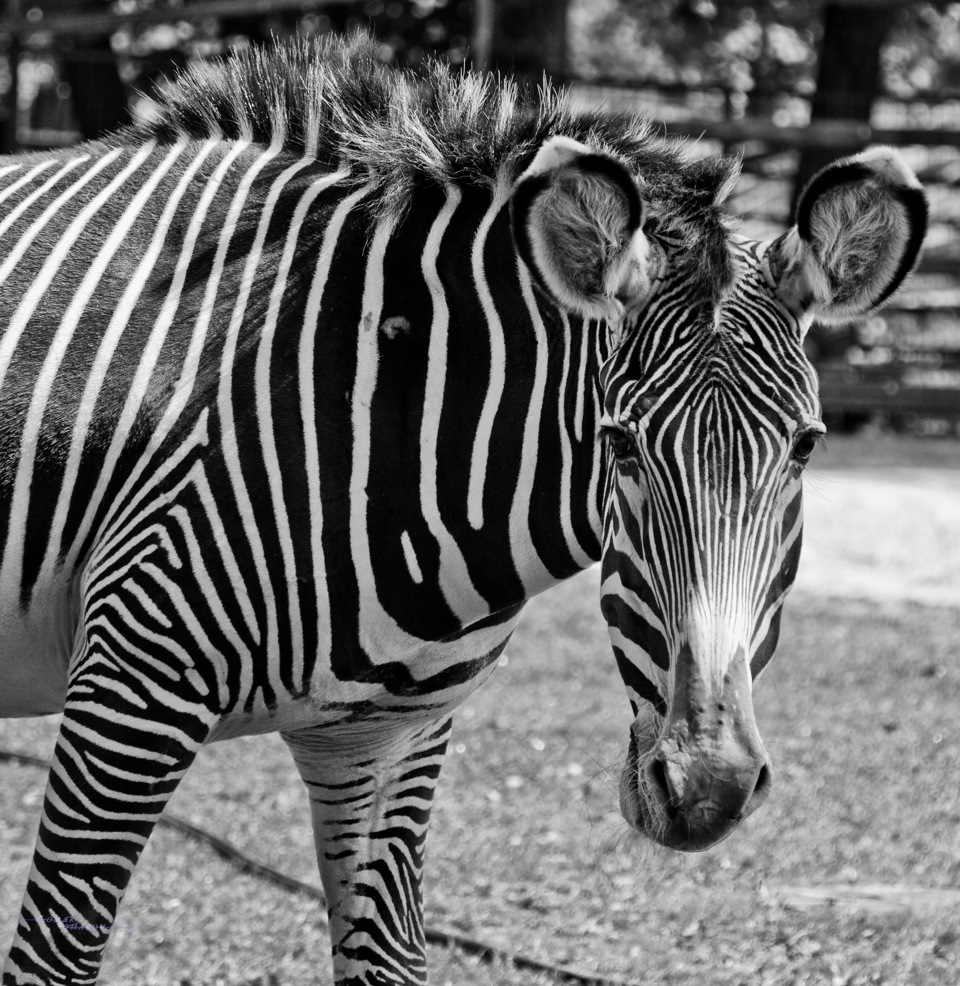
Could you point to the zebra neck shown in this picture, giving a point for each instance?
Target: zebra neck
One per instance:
(474, 389)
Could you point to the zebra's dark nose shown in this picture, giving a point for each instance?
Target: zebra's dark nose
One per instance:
(708, 791)
(708, 769)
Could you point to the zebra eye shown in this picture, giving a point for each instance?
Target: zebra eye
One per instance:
(621, 443)
(805, 444)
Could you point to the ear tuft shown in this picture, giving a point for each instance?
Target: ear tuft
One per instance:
(859, 229)
(577, 218)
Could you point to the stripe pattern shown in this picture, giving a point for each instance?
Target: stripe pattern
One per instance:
(295, 423)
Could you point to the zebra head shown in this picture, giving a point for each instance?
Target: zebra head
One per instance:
(709, 412)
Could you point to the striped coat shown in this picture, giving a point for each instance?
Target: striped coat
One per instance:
(312, 381)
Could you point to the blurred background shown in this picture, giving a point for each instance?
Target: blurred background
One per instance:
(786, 84)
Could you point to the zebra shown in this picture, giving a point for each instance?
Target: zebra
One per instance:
(313, 378)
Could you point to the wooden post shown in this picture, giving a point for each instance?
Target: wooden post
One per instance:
(484, 25)
(530, 38)
(847, 74)
(89, 66)
(8, 121)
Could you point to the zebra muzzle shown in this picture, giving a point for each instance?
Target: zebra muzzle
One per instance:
(708, 769)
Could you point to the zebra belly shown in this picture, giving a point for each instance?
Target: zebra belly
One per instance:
(361, 714)
(35, 651)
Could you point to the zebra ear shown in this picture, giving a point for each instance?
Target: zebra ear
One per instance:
(859, 228)
(577, 217)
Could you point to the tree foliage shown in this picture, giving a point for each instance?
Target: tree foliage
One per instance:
(922, 53)
(755, 46)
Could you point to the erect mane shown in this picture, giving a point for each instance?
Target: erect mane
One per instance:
(334, 100)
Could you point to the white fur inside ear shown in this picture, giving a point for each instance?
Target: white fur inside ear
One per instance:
(630, 280)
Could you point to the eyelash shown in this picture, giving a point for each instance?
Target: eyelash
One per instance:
(805, 444)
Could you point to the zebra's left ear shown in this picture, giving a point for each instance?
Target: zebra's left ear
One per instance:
(859, 229)
(577, 217)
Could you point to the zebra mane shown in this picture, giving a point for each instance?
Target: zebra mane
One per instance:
(333, 99)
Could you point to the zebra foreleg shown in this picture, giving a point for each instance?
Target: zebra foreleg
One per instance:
(125, 741)
(370, 822)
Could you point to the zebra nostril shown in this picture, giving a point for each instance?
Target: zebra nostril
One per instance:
(737, 790)
(761, 788)
(658, 779)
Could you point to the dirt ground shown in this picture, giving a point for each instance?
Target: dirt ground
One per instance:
(882, 521)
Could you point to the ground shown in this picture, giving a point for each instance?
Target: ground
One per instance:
(849, 875)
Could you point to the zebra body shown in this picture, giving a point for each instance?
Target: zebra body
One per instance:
(301, 405)
(172, 411)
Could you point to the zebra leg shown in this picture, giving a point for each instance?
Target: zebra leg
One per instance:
(370, 817)
(125, 741)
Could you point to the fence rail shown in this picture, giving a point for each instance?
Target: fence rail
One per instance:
(100, 23)
(840, 135)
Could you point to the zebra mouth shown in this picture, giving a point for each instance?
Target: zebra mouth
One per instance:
(686, 828)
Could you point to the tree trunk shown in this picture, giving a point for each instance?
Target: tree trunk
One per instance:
(530, 38)
(99, 97)
(8, 112)
(848, 74)
(484, 25)
(90, 68)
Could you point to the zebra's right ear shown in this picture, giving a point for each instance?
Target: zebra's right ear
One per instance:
(859, 229)
(577, 217)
